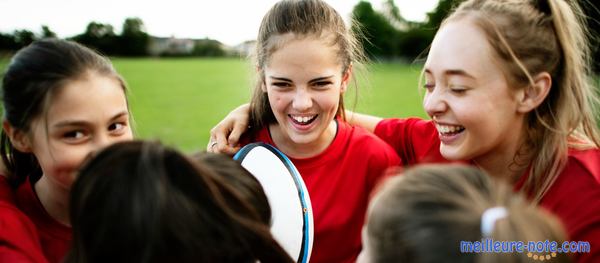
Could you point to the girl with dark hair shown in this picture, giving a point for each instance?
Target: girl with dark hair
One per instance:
(62, 102)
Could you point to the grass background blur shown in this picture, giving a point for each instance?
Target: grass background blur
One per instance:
(178, 101)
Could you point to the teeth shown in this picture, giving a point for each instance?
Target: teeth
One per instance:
(448, 128)
(301, 119)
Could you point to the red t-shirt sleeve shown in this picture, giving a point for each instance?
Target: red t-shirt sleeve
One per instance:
(415, 140)
(575, 198)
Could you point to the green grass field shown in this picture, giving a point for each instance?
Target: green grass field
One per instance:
(178, 100)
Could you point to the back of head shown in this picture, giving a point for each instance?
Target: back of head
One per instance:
(424, 214)
(143, 202)
(34, 74)
(244, 183)
(530, 37)
(301, 18)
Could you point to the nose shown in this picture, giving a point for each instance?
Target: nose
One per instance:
(302, 100)
(434, 103)
(102, 141)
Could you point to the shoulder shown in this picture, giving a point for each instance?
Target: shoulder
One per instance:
(404, 123)
(19, 239)
(369, 145)
(584, 163)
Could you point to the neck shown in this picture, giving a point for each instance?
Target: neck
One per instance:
(54, 198)
(510, 165)
(303, 150)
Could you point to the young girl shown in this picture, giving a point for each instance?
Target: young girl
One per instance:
(431, 212)
(170, 208)
(508, 88)
(305, 56)
(62, 102)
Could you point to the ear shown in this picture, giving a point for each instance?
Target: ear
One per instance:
(17, 137)
(532, 96)
(346, 79)
(263, 83)
(263, 86)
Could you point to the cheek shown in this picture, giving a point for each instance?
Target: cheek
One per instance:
(70, 161)
(278, 101)
(62, 164)
(330, 102)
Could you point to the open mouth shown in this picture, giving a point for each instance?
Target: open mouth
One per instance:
(449, 130)
(303, 120)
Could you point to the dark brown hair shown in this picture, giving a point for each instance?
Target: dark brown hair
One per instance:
(34, 74)
(143, 202)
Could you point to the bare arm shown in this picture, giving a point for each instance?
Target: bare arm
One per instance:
(362, 120)
(225, 136)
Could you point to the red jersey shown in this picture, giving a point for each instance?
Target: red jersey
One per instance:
(32, 227)
(339, 182)
(19, 240)
(574, 197)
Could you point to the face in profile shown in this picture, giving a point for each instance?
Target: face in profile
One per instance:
(468, 96)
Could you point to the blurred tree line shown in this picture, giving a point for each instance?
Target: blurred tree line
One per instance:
(386, 35)
(133, 41)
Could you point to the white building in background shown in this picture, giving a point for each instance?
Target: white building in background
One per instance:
(245, 48)
(170, 45)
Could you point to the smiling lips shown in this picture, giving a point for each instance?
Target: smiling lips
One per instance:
(303, 120)
(448, 133)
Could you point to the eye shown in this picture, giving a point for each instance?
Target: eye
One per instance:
(457, 89)
(322, 85)
(429, 86)
(73, 135)
(117, 126)
(281, 84)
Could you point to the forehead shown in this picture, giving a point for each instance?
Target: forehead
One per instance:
(87, 98)
(461, 44)
(305, 53)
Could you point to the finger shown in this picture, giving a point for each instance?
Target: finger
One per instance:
(234, 136)
(219, 143)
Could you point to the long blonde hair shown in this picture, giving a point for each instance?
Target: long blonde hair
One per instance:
(530, 37)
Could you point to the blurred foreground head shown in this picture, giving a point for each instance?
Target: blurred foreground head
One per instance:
(144, 202)
(425, 213)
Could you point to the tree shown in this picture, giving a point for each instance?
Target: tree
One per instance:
(379, 37)
(100, 37)
(134, 39)
(23, 38)
(208, 48)
(7, 42)
(47, 33)
(435, 18)
(592, 12)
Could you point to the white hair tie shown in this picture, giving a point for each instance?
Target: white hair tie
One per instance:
(489, 218)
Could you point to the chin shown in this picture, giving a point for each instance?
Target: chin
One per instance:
(451, 153)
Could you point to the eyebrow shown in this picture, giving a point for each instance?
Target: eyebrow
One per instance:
(69, 123)
(452, 72)
(312, 80)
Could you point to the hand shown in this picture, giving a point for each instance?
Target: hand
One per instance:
(224, 137)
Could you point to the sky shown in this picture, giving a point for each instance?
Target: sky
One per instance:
(229, 21)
